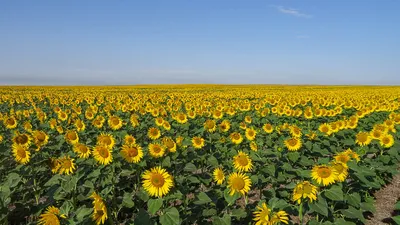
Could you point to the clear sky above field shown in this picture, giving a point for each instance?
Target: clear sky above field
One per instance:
(200, 41)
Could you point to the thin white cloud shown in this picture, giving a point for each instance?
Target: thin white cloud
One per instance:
(293, 12)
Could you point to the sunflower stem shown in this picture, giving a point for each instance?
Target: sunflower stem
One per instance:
(301, 213)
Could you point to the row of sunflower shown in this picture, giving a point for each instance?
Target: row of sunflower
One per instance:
(195, 155)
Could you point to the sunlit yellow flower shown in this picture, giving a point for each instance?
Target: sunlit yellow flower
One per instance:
(325, 128)
(21, 153)
(224, 126)
(210, 125)
(304, 190)
(293, 144)
(82, 150)
(236, 138)
(250, 134)
(156, 150)
(114, 122)
(253, 146)
(71, 137)
(132, 153)
(219, 176)
(40, 138)
(157, 182)
(170, 144)
(99, 209)
(106, 140)
(198, 142)
(238, 183)
(363, 138)
(342, 157)
(153, 133)
(181, 118)
(102, 154)
(166, 125)
(386, 141)
(341, 169)
(325, 175)
(268, 128)
(22, 139)
(242, 162)
(51, 216)
(67, 165)
(80, 125)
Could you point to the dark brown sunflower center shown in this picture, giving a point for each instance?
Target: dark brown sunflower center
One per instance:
(324, 172)
(103, 152)
(132, 152)
(157, 180)
(242, 160)
(238, 183)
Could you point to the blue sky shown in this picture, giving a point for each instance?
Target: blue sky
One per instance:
(200, 41)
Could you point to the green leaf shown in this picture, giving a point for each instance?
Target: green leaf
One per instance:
(342, 221)
(166, 162)
(354, 199)
(353, 213)
(320, 206)
(153, 205)
(53, 180)
(125, 173)
(190, 167)
(170, 217)
(83, 212)
(142, 194)
(225, 220)
(193, 179)
(239, 213)
(397, 206)
(396, 219)
(230, 199)
(202, 199)
(66, 207)
(142, 218)
(127, 200)
(209, 212)
(293, 156)
(367, 206)
(212, 161)
(13, 179)
(334, 193)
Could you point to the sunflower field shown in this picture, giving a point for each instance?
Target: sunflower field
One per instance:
(196, 154)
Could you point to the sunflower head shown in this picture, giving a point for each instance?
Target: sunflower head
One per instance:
(102, 154)
(21, 153)
(67, 165)
(157, 182)
(323, 174)
(153, 133)
(293, 144)
(71, 137)
(156, 150)
(219, 176)
(132, 153)
(198, 142)
(242, 162)
(238, 183)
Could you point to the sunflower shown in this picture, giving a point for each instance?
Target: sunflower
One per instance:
(132, 153)
(295, 131)
(21, 153)
(22, 139)
(129, 140)
(224, 126)
(28, 126)
(293, 144)
(82, 150)
(198, 142)
(157, 182)
(243, 125)
(236, 138)
(217, 114)
(250, 134)
(156, 150)
(71, 137)
(210, 126)
(170, 144)
(325, 175)
(262, 215)
(268, 128)
(341, 169)
(353, 155)
(166, 125)
(342, 157)
(62, 116)
(280, 217)
(363, 138)
(253, 146)
(67, 165)
(376, 134)
(40, 138)
(242, 162)
(386, 141)
(181, 118)
(106, 140)
(238, 183)
(247, 119)
(99, 209)
(219, 176)
(114, 122)
(153, 133)
(102, 154)
(304, 190)
(80, 125)
(325, 128)
(51, 216)
(159, 121)
(54, 164)
(1, 138)
(10, 122)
